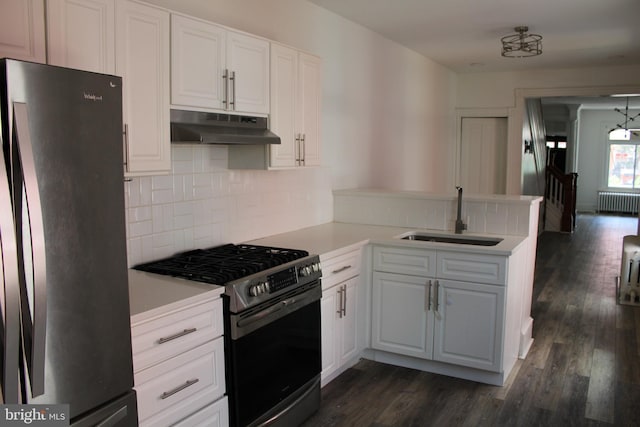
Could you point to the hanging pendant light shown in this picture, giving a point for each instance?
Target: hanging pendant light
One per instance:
(521, 44)
(628, 119)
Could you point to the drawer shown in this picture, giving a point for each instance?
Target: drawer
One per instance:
(178, 387)
(401, 260)
(338, 269)
(168, 335)
(478, 268)
(214, 415)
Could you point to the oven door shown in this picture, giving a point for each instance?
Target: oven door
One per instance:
(273, 372)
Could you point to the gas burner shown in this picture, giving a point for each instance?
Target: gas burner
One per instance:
(222, 264)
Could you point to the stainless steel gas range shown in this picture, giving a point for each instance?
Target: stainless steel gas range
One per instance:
(272, 327)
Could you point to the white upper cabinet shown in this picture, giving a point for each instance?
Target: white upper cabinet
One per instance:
(22, 34)
(309, 108)
(216, 68)
(295, 107)
(284, 84)
(142, 59)
(248, 64)
(81, 34)
(197, 63)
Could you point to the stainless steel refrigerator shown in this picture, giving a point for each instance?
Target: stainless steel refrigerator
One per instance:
(65, 332)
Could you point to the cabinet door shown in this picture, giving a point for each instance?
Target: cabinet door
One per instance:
(142, 59)
(81, 34)
(22, 34)
(329, 318)
(309, 108)
(284, 81)
(197, 63)
(469, 324)
(402, 321)
(348, 322)
(248, 63)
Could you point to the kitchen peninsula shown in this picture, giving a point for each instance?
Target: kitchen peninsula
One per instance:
(366, 229)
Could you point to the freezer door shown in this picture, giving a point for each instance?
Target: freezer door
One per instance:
(74, 122)
(123, 412)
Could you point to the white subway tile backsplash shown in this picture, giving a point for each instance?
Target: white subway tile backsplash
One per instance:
(201, 203)
(140, 228)
(494, 215)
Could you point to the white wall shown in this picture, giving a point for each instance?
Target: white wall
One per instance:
(594, 126)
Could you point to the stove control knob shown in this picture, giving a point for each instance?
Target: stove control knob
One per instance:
(253, 291)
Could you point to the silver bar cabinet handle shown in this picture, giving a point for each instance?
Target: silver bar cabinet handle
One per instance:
(233, 90)
(125, 134)
(297, 149)
(178, 335)
(341, 269)
(178, 389)
(225, 77)
(344, 301)
(34, 209)
(428, 297)
(303, 142)
(437, 295)
(339, 311)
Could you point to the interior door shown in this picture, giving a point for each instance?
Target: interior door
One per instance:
(483, 155)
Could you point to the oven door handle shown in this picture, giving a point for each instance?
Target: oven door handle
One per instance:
(241, 326)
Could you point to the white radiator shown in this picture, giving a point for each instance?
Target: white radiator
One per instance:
(612, 201)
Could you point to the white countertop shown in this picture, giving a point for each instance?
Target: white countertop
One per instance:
(153, 294)
(332, 239)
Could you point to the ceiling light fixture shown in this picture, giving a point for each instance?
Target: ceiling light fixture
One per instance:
(627, 119)
(521, 44)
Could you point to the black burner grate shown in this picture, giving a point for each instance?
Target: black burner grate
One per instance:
(222, 264)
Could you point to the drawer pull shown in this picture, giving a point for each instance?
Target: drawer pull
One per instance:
(340, 270)
(178, 389)
(178, 335)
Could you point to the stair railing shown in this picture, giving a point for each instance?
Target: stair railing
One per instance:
(561, 192)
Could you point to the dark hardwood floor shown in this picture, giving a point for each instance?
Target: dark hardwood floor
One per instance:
(583, 368)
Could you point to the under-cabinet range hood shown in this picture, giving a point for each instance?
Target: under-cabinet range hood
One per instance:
(218, 128)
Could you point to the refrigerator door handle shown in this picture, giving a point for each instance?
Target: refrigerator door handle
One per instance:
(10, 294)
(34, 346)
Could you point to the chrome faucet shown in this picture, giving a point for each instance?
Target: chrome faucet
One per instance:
(459, 224)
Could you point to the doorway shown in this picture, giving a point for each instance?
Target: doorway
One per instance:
(483, 155)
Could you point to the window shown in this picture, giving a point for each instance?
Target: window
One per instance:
(556, 141)
(624, 159)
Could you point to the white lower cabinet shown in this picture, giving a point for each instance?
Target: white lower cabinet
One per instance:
(179, 369)
(428, 316)
(180, 386)
(339, 312)
(468, 324)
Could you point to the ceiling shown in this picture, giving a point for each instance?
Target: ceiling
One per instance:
(464, 35)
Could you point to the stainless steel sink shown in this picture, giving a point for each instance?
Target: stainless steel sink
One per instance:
(440, 238)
